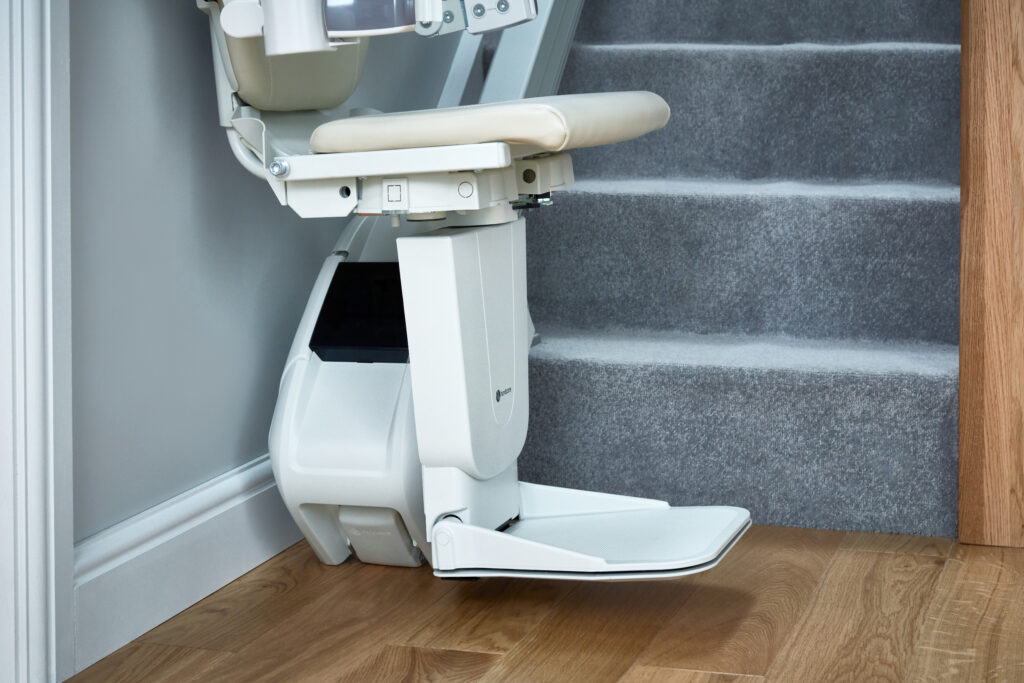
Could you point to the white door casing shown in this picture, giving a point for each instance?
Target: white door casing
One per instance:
(36, 551)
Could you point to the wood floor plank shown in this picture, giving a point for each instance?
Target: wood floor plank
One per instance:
(654, 674)
(594, 634)
(349, 623)
(246, 608)
(974, 630)
(742, 611)
(403, 664)
(824, 605)
(989, 565)
(863, 622)
(932, 546)
(489, 615)
(153, 664)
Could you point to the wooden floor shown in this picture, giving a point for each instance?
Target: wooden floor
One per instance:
(786, 605)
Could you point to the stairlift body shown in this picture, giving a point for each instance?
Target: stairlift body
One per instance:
(404, 402)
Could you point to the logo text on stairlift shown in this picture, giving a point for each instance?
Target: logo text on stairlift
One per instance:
(502, 392)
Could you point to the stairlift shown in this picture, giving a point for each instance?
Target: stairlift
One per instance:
(404, 400)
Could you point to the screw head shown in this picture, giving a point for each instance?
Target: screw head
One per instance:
(279, 168)
(479, 10)
(449, 17)
(502, 6)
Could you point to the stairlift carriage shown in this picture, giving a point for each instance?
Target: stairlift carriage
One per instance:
(404, 399)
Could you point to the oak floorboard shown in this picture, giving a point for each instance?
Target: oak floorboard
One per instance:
(489, 615)
(975, 629)
(863, 622)
(742, 611)
(931, 546)
(654, 674)
(251, 605)
(822, 605)
(403, 664)
(153, 664)
(334, 635)
(594, 634)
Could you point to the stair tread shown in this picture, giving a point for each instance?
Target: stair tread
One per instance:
(811, 261)
(863, 113)
(766, 188)
(780, 21)
(772, 48)
(845, 435)
(748, 352)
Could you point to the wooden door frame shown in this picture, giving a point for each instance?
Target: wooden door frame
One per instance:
(991, 508)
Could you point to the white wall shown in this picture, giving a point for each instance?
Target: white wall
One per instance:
(188, 279)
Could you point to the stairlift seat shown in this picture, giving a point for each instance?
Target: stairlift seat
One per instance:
(553, 124)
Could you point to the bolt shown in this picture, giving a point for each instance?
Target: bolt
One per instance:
(449, 17)
(502, 6)
(279, 168)
(479, 10)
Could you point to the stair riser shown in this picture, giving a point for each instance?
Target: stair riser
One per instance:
(828, 267)
(780, 21)
(842, 451)
(782, 113)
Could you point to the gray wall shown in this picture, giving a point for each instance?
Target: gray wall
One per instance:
(188, 278)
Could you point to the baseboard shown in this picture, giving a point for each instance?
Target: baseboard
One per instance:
(141, 572)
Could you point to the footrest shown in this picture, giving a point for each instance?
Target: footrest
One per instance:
(617, 545)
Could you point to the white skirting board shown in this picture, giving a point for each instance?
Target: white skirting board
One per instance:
(141, 572)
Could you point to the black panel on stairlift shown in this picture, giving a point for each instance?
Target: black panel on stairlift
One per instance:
(362, 319)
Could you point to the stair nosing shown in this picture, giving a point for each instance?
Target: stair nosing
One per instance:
(892, 46)
(686, 186)
(748, 352)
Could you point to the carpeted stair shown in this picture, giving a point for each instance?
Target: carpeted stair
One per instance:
(758, 305)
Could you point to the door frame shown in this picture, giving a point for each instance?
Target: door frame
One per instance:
(36, 512)
(991, 429)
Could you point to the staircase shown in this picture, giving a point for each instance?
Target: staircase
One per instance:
(757, 305)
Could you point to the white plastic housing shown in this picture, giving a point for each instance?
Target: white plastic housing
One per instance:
(464, 293)
(294, 26)
(343, 441)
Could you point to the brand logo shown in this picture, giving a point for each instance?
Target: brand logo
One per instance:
(502, 392)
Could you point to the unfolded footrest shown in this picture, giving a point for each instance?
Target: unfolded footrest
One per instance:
(617, 545)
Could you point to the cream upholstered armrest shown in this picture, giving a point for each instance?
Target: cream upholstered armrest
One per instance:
(553, 124)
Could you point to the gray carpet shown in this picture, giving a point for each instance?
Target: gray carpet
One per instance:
(866, 113)
(829, 435)
(758, 305)
(770, 21)
(838, 261)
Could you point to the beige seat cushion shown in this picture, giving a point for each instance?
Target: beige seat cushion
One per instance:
(550, 123)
